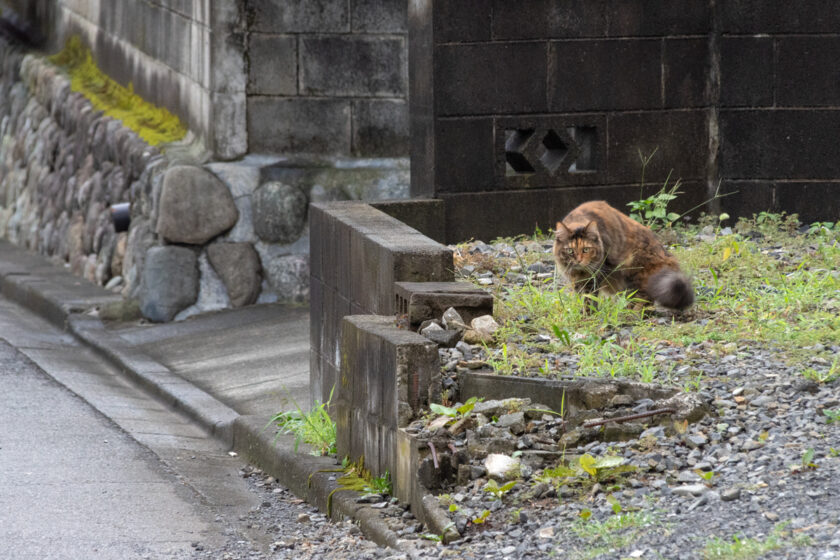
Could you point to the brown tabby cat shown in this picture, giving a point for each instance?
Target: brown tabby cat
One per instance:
(602, 250)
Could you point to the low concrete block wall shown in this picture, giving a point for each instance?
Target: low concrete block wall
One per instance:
(358, 253)
(385, 380)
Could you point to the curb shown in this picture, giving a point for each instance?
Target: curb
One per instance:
(52, 297)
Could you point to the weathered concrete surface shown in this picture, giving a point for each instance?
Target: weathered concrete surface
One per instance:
(107, 497)
(386, 374)
(208, 368)
(255, 360)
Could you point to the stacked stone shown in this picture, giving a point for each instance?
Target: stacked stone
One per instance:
(62, 165)
(201, 237)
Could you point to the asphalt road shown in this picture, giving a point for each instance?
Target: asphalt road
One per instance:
(91, 467)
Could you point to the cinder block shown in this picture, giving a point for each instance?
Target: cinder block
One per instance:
(549, 19)
(748, 198)
(685, 67)
(782, 144)
(759, 16)
(378, 16)
(456, 21)
(813, 201)
(428, 300)
(374, 348)
(670, 133)
(372, 443)
(300, 16)
(340, 413)
(299, 125)
(273, 64)
(746, 71)
(604, 75)
(458, 169)
(640, 18)
(380, 128)
(508, 213)
(353, 65)
(317, 226)
(316, 376)
(316, 312)
(487, 78)
(811, 61)
(424, 215)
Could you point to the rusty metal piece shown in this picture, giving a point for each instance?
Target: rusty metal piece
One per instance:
(434, 455)
(628, 418)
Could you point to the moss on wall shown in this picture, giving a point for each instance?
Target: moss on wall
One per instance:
(153, 124)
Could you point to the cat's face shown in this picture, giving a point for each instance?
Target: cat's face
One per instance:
(578, 248)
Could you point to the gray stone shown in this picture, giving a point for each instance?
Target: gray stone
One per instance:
(194, 206)
(730, 494)
(170, 282)
(453, 320)
(691, 490)
(514, 421)
(444, 338)
(238, 266)
(279, 212)
(212, 294)
(289, 277)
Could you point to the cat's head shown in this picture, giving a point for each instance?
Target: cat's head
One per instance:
(578, 246)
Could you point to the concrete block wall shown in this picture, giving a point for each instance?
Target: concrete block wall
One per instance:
(527, 109)
(328, 76)
(386, 374)
(357, 254)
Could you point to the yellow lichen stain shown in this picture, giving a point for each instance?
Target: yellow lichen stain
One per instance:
(153, 124)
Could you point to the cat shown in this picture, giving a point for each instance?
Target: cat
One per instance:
(602, 250)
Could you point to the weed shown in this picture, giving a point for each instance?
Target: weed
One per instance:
(498, 492)
(314, 427)
(739, 548)
(586, 471)
(357, 478)
(614, 532)
(832, 415)
(380, 485)
(482, 517)
(450, 414)
(653, 210)
(832, 374)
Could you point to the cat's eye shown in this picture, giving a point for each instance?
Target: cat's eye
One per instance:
(586, 249)
(570, 250)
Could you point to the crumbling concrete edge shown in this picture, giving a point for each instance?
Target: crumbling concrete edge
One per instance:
(309, 477)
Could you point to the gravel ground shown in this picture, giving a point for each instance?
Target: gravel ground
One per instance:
(757, 476)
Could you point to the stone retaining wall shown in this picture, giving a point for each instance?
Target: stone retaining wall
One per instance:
(202, 236)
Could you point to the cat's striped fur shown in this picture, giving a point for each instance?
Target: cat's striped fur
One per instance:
(602, 250)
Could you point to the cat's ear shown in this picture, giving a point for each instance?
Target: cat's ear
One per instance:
(561, 231)
(591, 227)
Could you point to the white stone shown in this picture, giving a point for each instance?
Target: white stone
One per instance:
(501, 467)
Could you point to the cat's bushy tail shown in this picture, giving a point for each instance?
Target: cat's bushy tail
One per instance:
(670, 288)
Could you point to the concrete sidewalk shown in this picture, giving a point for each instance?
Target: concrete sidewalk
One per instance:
(230, 371)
